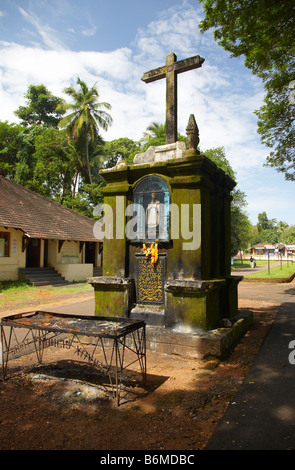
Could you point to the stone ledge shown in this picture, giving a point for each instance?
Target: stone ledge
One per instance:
(195, 344)
(105, 280)
(187, 285)
(161, 153)
(198, 344)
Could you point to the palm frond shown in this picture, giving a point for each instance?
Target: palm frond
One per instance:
(87, 114)
(67, 120)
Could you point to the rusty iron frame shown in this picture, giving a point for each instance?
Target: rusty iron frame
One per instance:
(112, 335)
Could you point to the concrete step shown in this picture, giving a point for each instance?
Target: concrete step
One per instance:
(42, 276)
(57, 282)
(38, 270)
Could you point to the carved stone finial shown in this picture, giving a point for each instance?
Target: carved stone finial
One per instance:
(192, 133)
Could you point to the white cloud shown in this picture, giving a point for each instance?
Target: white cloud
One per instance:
(222, 94)
(176, 30)
(224, 115)
(48, 35)
(89, 31)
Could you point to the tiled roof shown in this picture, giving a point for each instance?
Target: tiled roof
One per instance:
(39, 217)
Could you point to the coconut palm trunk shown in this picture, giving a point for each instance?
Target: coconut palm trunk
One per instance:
(87, 157)
(87, 116)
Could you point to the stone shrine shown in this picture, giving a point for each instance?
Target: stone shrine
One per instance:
(167, 231)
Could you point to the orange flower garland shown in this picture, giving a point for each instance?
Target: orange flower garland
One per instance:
(152, 251)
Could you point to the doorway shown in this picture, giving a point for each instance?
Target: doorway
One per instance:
(45, 262)
(90, 252)
(33, 253)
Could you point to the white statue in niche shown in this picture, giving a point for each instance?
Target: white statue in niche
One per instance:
(152, 217)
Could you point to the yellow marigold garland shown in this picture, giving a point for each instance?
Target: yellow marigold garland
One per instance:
(151, 252)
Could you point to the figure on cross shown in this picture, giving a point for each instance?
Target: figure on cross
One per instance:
(170, 72)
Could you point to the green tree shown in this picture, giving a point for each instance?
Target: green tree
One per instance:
(87, 198)
(40, 108)
(86, 117)
(264, 223)
(266, 228)
(288, 235)
(281, 227)
(9, 147)
(96, 159)
(269, 230)
(120, 149)
(156, 135)
(241, 228)
(217, 155)
(261, 31)
(26, 160)
(276, 125)
(57, 164)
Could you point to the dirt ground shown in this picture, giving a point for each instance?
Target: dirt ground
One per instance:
(61, 405)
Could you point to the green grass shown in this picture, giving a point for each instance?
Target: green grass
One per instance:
(18, 291)
(13, 286)
(246, 263)
(275, 273)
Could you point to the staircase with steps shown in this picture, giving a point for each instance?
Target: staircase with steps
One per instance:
(97, 271)
(43, 276)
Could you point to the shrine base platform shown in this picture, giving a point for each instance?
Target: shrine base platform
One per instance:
(198, 344)
(195, 343)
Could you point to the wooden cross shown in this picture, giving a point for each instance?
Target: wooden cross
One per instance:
(170, 72)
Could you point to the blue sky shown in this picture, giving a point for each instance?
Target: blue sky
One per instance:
(111, 43)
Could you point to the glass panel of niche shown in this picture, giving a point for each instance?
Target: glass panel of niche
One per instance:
(151, 200)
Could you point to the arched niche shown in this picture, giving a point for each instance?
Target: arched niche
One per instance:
(150, 209)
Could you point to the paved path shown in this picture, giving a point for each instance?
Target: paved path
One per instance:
(85, 307)
(259, 267)
(262, 415)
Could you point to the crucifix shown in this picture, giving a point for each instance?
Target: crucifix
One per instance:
(170, 72)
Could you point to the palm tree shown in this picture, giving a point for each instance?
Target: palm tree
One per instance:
(86, 117)
(155, 135)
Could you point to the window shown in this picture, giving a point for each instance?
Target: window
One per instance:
(151, 199)
(4, 243)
